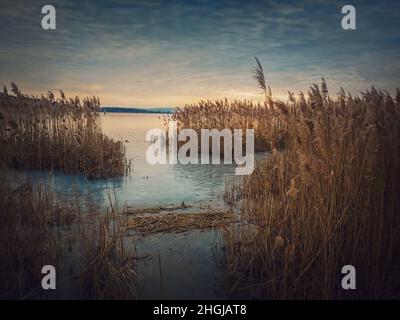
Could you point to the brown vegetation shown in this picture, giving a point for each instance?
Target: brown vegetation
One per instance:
(329, 198)
(36, 229)
(47, 133)
(180, 222)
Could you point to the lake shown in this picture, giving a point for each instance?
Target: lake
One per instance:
(188, 267)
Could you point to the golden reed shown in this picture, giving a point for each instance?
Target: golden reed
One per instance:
(326, 195)
(49, 133)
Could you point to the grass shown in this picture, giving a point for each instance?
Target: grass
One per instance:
(37, 228)
(156, 210)
(49, 133)
(28, 242)
(175, 222)
(269, 130)
(109, 261)
(327, 195)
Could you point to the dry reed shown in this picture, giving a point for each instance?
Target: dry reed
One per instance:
(329, 198)
(269, 130)
(109, 260)
(47, 133)
(27, 240)
(180, 222)
(36, 229)
(157, 209)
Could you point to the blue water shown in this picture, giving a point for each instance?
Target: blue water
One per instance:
(148, 185)
(188, 268)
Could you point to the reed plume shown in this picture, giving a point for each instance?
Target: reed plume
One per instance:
(326, 194)
(49, 133)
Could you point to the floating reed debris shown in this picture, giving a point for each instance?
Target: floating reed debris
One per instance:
(49, 133)
(157, 209)
(180, 222)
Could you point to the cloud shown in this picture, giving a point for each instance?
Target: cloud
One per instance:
(147, 53)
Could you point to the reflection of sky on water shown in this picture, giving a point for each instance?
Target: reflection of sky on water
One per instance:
(188, 268)
(148, 185)
(187, 265)
(151, 185)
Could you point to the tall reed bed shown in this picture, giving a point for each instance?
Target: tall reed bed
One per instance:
(27, 242)
(93, 258)
(109, 261)
(268, 128)
(49, 133)
(332, 198)
(329, 198)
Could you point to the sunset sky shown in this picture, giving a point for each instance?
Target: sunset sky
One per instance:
(170, 53)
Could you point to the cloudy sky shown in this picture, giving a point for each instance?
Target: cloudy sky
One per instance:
(168, 53)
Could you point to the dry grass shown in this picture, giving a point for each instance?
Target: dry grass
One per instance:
(330, 197)
(109, 262)
(35, 230)
(180, 222)
(157, 209)
(269, 130)
(27, 240)
(47, 133)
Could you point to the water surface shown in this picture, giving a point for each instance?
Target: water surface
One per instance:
(177, 266)
(186, 261)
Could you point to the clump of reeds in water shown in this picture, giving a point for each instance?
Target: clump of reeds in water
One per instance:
(29, 227)
(329, 198)
(268, 129)
(37, 228)
(49, 133)
(109, 261)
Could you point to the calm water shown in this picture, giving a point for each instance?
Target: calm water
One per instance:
(148, 185)
(151, 185)
(187, 265)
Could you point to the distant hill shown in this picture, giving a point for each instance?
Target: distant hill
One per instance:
(137, 110)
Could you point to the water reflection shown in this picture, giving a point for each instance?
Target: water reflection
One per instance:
(152, 185)
(187, 266)
(148, 185)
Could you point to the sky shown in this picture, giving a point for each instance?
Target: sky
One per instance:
(170, 53)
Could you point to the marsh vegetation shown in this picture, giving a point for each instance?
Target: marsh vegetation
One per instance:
(37, 228)
(328, 194)
(49, 133)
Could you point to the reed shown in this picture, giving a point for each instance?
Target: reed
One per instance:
(269, 130)
(109, 259)
(175, 222)
(28, 242)
(331, 198)
(327, 194)
(90, 255)
(49, 133)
